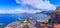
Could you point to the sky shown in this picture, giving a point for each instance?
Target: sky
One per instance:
(28, 6)
(55, 2)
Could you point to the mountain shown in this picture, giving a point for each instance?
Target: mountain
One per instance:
(45, 12)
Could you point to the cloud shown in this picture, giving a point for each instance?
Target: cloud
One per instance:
(40, 4)
(31, 6)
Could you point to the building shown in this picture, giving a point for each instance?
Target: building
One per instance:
(24, 24)
(28, 24)
(14, 25)
(41, 24)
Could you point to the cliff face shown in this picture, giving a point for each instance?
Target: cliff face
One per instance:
(58, 9)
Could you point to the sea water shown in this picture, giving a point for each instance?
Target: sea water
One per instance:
(1, 26)
(6, 19)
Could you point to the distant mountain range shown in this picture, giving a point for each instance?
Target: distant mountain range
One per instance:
(45, 12)
(38, 15)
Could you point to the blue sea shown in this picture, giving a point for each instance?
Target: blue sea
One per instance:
(7, 18)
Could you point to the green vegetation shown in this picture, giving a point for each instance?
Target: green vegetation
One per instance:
(21, 21)
(27, 19)
(26, 26)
